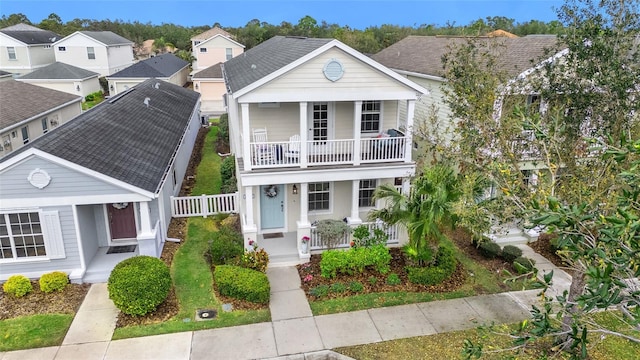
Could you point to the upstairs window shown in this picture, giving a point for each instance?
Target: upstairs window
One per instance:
(203, 50)
(229, 53)
(62, 48)
(25, 135)
(370, 118)
(11, 53)
(91, 53)
(45, 125)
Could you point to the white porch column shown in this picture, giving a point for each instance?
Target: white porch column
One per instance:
(303, 135)
(146, 236)
(406, 185)
(304, 227)
(408, 146)
(145, 219)
(246, 136)
(357, 128)
(248, 197)
(354, 219)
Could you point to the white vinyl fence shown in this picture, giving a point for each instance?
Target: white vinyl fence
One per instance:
(204, 205)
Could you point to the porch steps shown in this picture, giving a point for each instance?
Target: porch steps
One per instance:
(281, 260)
(96, 276)
(512, 236)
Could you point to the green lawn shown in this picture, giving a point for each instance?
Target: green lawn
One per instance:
(190, 271)
(89, 104)
(33, 331)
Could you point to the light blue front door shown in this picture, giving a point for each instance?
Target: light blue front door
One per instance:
(272, 207)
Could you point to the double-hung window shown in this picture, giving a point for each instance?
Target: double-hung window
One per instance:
(319, 196)
(11, 52)
(203, 49)
(21, 236)
(365, 193)
(229, 53)
(370, 118)
(45, 125)
(91, 53)
(25, 134)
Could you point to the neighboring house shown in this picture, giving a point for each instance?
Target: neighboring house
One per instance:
(5, 75)
(101, 182)
(210, 84)
(419, 58)
(29, 111)
(64, 77)
(103, 52)
(213, 46)
(24, 48)
(166, 67)
(309, 121)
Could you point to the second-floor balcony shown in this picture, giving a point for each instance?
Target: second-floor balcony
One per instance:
(294, 153)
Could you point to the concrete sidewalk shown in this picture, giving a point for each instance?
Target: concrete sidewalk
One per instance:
(293, 332)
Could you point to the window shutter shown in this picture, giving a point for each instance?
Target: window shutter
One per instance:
(53, 241)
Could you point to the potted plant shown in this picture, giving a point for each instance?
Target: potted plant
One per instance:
(305, 244)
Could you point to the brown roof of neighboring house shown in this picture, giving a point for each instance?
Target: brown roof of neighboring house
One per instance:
(501, 33)
(423, 54)
(212, 72)
(211, 33)
(21, 101)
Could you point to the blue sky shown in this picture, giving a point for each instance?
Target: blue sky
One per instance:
(358, 14)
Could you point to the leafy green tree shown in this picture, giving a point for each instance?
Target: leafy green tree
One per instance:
(424, 212)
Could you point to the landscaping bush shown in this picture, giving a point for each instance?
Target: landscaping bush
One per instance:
(17, 285)
(242, 283)
(393, 279)
(256, 259)
(523, 264)
(223, 128)
(490, 250)
(226, 246)
(228, 168)
(445, 266)
(53, 281)
(229, 186)
(355, 260)
(320, 291)
(338, 288)
(139, 284)
(511, 252)
(363, 237)
(373, 280)
(331, 232)
(356, 287)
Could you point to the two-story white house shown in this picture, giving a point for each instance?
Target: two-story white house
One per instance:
(316, 127)
(29, 111)
(212, 47)
(24, 48)
(103, 52)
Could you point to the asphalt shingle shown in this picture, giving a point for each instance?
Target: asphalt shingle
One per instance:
(212, 72)
(162, 66)
(107, 37)
(61, 71)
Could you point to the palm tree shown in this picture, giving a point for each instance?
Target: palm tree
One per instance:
(424, 212)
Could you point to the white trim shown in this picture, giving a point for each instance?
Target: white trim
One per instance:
(218, 35)
(331, 199)
(130, 43)
(57, 80)
(323, 95)
(420, 75)
(76, 225)
(5, 166)
(8, 204)
(331, 44)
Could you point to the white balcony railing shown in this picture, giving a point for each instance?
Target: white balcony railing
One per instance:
(274, 154)
(391, 230)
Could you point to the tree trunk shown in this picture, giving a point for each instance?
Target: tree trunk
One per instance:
(578, 283)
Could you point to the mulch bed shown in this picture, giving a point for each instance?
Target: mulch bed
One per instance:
(398, 263)
(37, 302)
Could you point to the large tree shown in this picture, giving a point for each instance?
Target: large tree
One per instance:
(563, 159)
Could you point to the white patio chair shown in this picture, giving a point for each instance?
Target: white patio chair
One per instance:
(293, 149)
(264, 153)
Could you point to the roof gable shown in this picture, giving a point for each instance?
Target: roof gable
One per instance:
(21, 101)
(59, 71)
(123, 138)
(211, 33)
(30, 35)
(220, 37)
(106, 38)
(162, 66)
(423, 54)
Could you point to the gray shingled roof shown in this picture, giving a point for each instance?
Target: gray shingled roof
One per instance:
(107, 37)
(212, 72)
(59, 71)
(267, 57)
(423, 54)
(30, 36)
(122, 137)
(20, 101)
(161, 66)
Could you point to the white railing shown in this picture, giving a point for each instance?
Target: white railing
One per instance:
(204, 205)
(391, 230)
(275, 154)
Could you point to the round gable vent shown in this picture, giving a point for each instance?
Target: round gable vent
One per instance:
(39, 178)
(333, 70)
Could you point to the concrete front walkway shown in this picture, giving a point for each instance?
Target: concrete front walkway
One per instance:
(293, 333)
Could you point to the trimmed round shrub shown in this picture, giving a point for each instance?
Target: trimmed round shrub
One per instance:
(320, 291)
(139, 284)
(356, 287)
(338, 288)
(444, 267)
(17, 285)
(523, 264)
(490, 249)
(53, 281)
(355, 260)
(242, 283)
(511, 252)
(393, 279)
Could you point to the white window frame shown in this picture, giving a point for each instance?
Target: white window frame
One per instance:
(11, 53)
(330, 195)
(11, 236)
(45, 125)
(62, 48)
(362, 190)
(228, 52)
(366, 113)
(203, 50)
(25, 134)
(91, 53)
